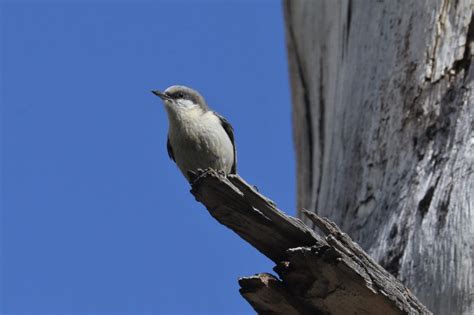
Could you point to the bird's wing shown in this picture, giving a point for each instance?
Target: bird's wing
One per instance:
(230, 132)
(170, 149)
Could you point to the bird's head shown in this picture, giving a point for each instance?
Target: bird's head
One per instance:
(178, 98)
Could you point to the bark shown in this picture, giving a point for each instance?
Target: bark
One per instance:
(383, 112)
(316, 275)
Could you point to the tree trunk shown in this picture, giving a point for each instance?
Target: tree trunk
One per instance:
(383, 126)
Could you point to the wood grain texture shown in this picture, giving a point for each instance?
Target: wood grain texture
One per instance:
(316, 274)
(383, 112)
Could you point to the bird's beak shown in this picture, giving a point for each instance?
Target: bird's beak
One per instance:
(161, 95)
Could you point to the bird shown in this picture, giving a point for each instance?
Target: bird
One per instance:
(198, 137)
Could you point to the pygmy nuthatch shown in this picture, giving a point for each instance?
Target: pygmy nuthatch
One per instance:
(198, 138)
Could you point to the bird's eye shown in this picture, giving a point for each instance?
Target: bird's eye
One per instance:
(180, 94)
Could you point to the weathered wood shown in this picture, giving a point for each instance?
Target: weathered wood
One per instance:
(267, 295)
(383, 111)
(317, 275)
(235, 204)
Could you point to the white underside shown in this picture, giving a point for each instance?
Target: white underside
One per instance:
(199, 141)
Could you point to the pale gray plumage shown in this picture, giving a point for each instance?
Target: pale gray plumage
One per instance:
(198, 138)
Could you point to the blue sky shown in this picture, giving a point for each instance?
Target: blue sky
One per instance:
(95, 219)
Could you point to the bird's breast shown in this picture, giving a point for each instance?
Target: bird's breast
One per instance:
(199, 141)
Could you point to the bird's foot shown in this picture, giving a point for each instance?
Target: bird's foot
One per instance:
(194, 176)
